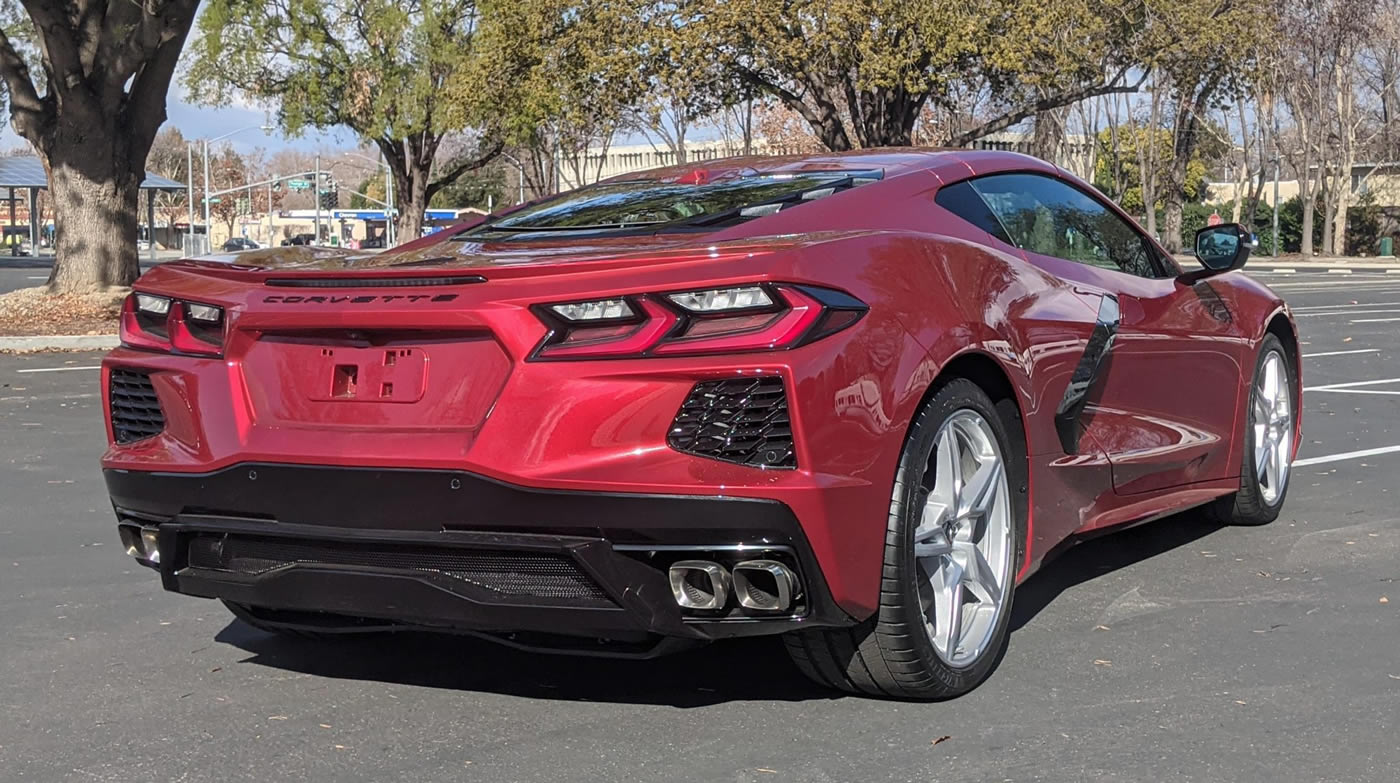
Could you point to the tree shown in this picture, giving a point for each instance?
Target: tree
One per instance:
(1205, 50)
(579, 70)
(1119, 168)
(382, 68)
(91, 114)
(169, 157)
(861, 72)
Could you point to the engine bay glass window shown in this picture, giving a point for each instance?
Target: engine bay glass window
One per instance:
(646, 206)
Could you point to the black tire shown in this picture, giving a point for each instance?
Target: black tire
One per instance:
(260, 619)
(1247, 506)
(890, 654)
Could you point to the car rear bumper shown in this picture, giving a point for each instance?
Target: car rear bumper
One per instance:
(451, 550)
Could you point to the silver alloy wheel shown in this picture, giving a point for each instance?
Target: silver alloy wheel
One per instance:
(1272, 420)
(964, 540)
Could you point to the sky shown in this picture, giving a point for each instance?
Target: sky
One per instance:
(199, 122)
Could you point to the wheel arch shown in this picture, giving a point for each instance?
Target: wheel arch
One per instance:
(983, 369)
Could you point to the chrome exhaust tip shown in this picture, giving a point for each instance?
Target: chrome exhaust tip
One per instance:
(699, 584)
(764, 585)
(141, 542)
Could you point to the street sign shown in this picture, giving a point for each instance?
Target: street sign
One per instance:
(1214, 219)
(298, 184)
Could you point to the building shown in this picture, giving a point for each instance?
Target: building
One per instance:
(602, 163)
(1380, 181)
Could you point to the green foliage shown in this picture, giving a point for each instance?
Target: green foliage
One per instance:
(375, 66)
(476, 189)
(1364, 226)
(1133, 137)
(860, 71)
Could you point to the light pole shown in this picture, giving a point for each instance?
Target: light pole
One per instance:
(388, 195)
(207, 142)
(519, 168)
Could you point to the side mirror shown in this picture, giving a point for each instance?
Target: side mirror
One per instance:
(1223, 248)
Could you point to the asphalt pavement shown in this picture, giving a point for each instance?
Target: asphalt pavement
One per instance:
(1176, 651)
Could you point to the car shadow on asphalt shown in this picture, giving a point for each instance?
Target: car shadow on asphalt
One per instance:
(1083, 560)
(739, 669)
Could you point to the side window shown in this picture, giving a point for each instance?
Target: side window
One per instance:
(960, 199)
(1044, 215)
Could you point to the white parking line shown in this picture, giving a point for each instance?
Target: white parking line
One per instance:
(1374, 320)
(1304, 308)
(1341, 353)
(36, 277)
(1345, 455)
(1350, 384)
(61, 369)
(1359, 391)
(1334, 313)
(1339, 271)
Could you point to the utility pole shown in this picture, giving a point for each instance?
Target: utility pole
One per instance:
(269, 208)
(189, 197)
(207, 236)
(1277, 172)
(316, 191)
(390, 229)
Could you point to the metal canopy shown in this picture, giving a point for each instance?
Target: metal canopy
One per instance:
(27, 172)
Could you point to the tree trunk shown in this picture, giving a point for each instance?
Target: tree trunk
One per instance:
(96, 231)
(411, 200)
(1049, 135)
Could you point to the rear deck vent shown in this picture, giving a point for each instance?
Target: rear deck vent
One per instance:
(372, 282)
(136, 412)
(743, 420)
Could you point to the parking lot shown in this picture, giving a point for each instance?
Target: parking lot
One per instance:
(1177, 651)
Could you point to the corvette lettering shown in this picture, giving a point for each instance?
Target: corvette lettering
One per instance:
(381, 299)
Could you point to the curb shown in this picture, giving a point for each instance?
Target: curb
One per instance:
(75, 342)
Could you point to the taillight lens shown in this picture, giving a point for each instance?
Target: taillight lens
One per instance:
(158, 323)
(759, 317)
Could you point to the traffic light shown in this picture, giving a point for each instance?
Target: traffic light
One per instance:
(330, 196)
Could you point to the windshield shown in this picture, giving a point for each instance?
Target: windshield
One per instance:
(643, 204)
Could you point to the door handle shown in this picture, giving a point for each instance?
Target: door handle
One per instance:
(1086, 373)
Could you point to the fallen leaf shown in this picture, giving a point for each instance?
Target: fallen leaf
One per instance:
(327, 726)
(1102, 662)
(943, 738)
(1237, 701)
(1100, 628)
(1385, 600)
(277, 717)
(766, 770)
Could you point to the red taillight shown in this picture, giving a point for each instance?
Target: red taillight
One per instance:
(156, 323)
(724, 320)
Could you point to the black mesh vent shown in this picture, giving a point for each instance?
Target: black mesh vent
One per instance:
(136, 412)
(508, 573)
(742, 420)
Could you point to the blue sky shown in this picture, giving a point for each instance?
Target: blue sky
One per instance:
(198, 122)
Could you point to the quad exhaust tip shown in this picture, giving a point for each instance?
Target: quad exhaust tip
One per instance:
(699, 584)
(141, 542)
(764, 585)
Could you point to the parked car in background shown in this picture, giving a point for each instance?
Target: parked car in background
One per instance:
(237, 244)
(299, 239)
(850, 399)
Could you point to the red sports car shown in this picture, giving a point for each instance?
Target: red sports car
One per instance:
(849, 399)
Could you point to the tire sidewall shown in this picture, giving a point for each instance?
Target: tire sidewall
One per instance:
(906, 511)
(1250, 485)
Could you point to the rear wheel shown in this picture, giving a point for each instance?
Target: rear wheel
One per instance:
(1268, 441)
(954, 537)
